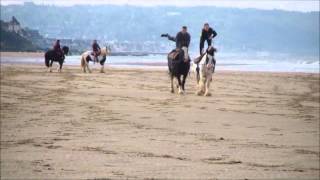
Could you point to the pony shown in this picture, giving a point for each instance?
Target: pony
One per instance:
(51, 56)
(205, 68)
(87, 56)
(179, 66)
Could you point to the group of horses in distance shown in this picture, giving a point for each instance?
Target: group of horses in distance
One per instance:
(178, 66)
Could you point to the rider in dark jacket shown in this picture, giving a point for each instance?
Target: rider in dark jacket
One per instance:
(57, 48)
(207, 35)
(96, 50)
(182, 38)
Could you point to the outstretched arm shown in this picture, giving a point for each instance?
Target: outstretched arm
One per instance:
(169, 37)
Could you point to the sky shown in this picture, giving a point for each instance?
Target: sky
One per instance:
(289, 5)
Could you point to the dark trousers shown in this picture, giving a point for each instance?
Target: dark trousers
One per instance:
(209, 41)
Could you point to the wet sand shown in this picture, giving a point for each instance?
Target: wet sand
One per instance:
(126, 124)
(22, 54)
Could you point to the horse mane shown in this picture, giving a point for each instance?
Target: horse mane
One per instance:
(65, 50)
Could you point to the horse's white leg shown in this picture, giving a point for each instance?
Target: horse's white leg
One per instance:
(201, 87)
(180, 90)
(201, 84)
(208, 81)
(88, 68)
(102, 69)
(59, 68)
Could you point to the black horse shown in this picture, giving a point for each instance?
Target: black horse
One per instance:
(178, 66)
(51, 56)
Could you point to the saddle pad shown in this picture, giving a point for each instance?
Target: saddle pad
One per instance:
(173, 55)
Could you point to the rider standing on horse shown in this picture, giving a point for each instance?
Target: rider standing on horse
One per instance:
(57, 49)
(96, 50)
(207, 34)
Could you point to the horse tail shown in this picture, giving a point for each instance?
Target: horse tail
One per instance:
(46, 59)
(82, 61)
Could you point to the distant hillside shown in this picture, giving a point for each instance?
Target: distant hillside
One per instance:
(11, 41)
(241, 30)
(15, 38)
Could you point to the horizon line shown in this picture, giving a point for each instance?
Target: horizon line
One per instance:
(283, 5)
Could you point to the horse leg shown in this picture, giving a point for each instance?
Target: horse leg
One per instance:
(102, 69)
(201, 85)
(171, 78)
(102, 64)
(87, 65)
(50, 66)
(208, 81)
(180, 85)
(60, 66)
(184, 81)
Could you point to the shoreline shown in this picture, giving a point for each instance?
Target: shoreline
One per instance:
(35, 58)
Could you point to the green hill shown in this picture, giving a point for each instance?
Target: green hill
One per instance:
(11, 41)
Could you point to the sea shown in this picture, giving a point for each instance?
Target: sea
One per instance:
(264, 62)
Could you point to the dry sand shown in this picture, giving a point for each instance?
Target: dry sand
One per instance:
(126, 124)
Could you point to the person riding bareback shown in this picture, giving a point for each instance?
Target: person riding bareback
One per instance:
(182, 40)
(207, 34)
(96, 50)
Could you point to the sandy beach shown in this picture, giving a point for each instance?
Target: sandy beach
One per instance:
(125, 124)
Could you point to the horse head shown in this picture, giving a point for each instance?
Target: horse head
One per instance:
(65, 50)
(105, 51)
(109, 49)
(211, 50)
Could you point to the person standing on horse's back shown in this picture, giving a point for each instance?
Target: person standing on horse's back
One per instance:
(96, 50)
(57, 48)
(207, 34)
(182, 39)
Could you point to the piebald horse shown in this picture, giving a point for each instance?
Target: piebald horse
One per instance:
(87, 56)
(205, 68)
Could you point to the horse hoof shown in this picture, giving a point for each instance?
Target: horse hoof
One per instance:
(172, 91)
(207, 94)
(102, 72)
(199, 93)
(181, 92)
